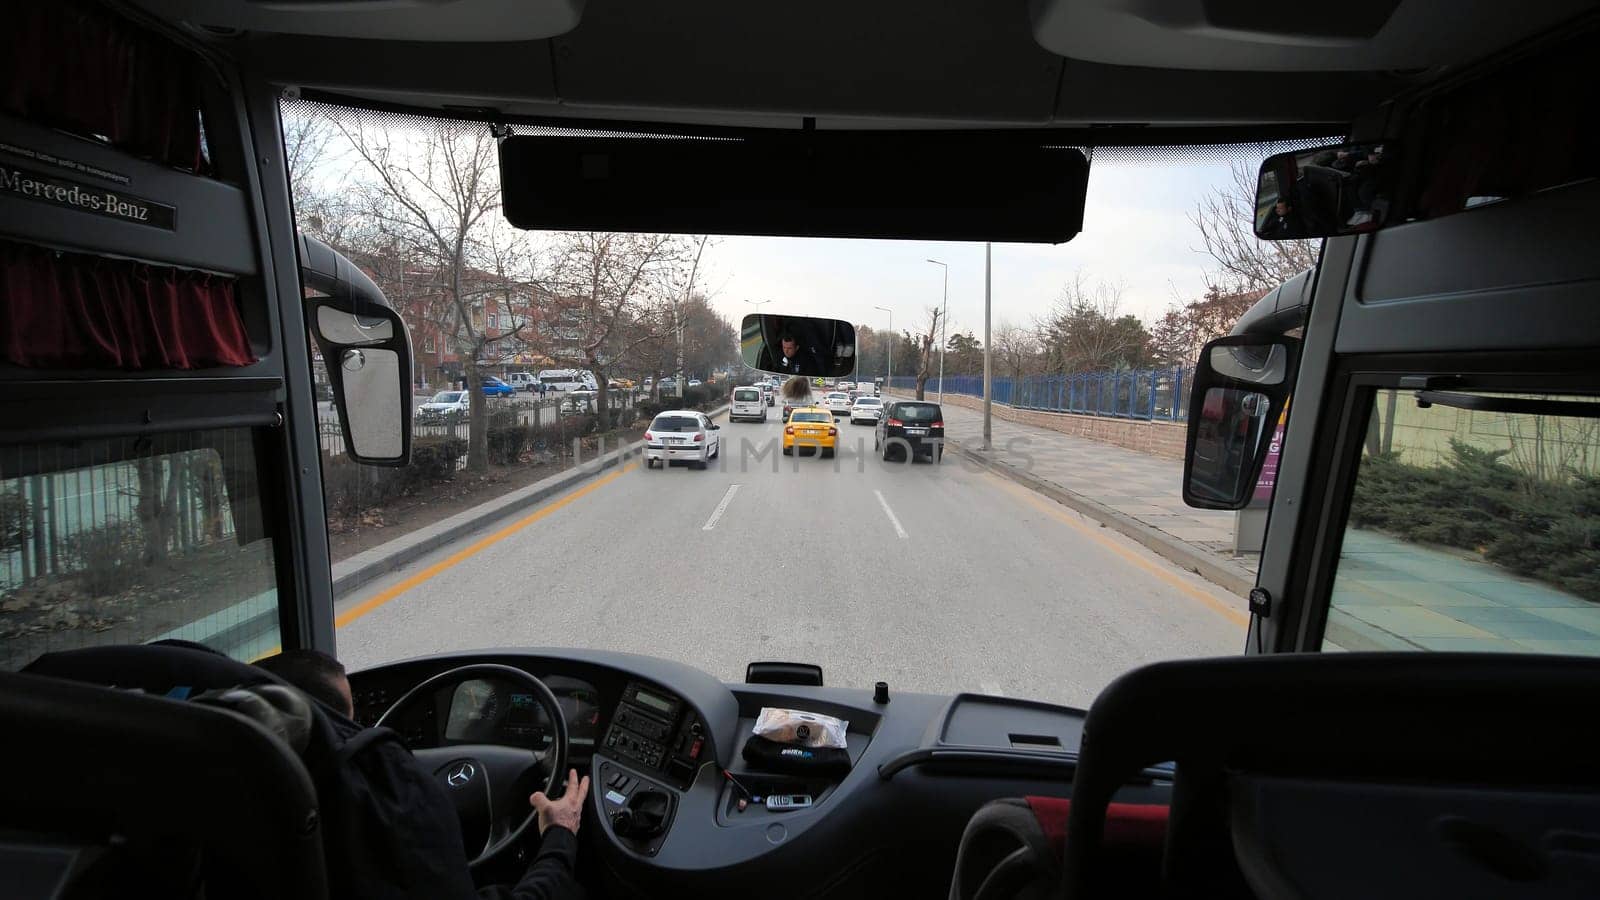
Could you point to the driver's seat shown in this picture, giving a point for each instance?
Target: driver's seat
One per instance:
(112, 793)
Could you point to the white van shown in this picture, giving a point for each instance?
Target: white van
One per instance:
(568, 380)
(748, 403)
(522, 381)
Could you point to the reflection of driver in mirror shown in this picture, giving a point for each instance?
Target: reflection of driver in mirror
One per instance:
(1282, 223)
(792, 356)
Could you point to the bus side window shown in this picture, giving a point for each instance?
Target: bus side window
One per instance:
(126, 540)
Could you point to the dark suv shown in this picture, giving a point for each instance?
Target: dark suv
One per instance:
(910, 425)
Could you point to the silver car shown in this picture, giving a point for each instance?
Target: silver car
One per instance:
(445, 407)
(866, 409)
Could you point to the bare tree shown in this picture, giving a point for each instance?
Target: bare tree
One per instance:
(611, 295)
(1178, 335)
(1015, 349)
(925, 354)
(432, 196)
(1226, 220)
(1087, 330)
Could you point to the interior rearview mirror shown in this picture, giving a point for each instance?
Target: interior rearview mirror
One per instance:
(1326, 192)
(1241, 387)
(798, 345)
(365, 351)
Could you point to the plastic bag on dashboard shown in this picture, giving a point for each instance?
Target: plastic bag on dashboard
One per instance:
(800, 728)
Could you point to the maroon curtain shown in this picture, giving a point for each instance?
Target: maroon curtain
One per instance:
(79, 68)
(71, 311)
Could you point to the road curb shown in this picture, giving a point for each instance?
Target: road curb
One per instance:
(372, 564)
(1234, 579)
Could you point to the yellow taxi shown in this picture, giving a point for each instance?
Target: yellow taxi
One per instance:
(810, 427)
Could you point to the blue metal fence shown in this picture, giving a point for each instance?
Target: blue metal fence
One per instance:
(1130, 394)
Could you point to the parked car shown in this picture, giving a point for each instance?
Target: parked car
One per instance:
(446, 407)
(913, 426)
(694, 382)
(575, 402)
(866, 409)
(568, 379)
(813, 428)
(523, 381)
(681, 435)
(837, 402)
(494, 387)
(748, 403)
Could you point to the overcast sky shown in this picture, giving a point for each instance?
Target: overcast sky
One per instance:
(1137, 230)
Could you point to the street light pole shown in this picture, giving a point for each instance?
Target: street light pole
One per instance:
(888, 355)
(944, 325)
(988, 394)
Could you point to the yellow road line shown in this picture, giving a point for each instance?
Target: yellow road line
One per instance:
(1097, 534)
(377, 600)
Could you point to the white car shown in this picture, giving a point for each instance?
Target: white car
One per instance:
(681, 434)
(838, 403)
(445, 407)
(866, 409)
(748, 403)
(523, 381)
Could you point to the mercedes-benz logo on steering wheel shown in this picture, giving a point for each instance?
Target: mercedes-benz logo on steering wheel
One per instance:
(460, 775)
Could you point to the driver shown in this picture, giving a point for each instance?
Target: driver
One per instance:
(794, 359)
(553, 873)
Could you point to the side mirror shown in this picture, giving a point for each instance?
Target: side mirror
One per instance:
(798, 345)
(366, 351)
(1327, 192)
(1241, 386)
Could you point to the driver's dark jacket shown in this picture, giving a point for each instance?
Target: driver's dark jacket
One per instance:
(552, 874)
(804, 362)
(405, 833)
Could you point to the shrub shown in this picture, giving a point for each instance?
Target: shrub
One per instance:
(1541, 529)
(104, 556)
(506, 444)
(349, 487)
(698, 396)
(432, 460)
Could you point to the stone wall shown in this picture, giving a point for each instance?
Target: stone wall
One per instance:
(1163, 439)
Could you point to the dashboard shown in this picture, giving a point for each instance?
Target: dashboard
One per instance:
(668, 810)
(494, 711)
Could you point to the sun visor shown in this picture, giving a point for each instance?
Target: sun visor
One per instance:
(1252, 36)
(912, 186)
(401, 20)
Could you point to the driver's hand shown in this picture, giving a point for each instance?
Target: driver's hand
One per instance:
(566, 812)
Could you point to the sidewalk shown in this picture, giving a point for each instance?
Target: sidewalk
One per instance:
(1390, 594)
(1393, 595)
(1141, 492)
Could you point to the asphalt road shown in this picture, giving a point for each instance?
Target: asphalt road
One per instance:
(930, 577)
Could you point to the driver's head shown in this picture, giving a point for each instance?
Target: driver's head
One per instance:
(1282, 207)
(791, 347)
(317, 674)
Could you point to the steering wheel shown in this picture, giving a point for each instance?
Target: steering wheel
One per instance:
(488, 783)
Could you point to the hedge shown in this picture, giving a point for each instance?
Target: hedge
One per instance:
(1548, 530)
(350, 487)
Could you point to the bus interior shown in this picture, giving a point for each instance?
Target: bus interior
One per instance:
(159, 302)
